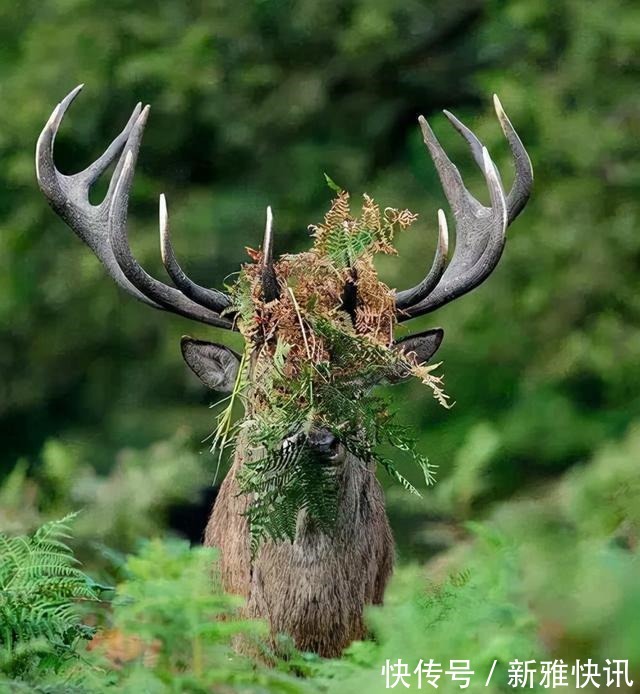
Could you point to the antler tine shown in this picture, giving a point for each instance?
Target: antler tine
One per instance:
(454, 189)
(480, 230)
(270, 287)
(409, 297)
(211, 298)
(167, 297)
(472, 139)
(523, 182)
(69, 195)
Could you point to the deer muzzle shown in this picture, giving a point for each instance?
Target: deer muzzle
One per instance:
(324, 443)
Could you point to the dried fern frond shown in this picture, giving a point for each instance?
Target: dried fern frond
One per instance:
(425, 373)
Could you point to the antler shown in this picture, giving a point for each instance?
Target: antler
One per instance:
(270, 287)
(480, 230)
(103, 227)
(211, 298)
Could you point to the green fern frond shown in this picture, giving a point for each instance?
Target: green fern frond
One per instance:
(40, 586)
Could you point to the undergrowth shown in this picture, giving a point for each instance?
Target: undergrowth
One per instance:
(549, 576)
(41, 587)
(169, 628)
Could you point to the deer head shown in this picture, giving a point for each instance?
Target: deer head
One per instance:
(480, 238)
(480, 233)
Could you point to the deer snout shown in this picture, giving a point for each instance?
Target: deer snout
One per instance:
(323, 442)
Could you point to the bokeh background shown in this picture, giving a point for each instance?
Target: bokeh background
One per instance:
(251, 103)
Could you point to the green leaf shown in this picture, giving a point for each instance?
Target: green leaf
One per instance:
(332, 184)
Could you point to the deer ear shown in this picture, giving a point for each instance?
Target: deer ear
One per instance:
(423, 345)
(215, 365)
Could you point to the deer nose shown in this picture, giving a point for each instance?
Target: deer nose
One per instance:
(321, 440)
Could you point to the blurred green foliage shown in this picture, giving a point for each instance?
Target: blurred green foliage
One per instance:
(251, 104)
(114, 511)
(553, 575)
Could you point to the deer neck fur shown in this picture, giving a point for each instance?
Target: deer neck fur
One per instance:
(315, 588)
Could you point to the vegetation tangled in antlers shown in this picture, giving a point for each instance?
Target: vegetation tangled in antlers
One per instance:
(313, 362)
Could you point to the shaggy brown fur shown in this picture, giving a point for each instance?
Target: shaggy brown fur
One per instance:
(316, 588)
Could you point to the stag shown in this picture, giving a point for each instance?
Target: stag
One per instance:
(316, 587)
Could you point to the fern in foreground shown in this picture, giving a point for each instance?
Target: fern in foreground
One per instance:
(40, 588)
(169, 628)
(173, 629)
